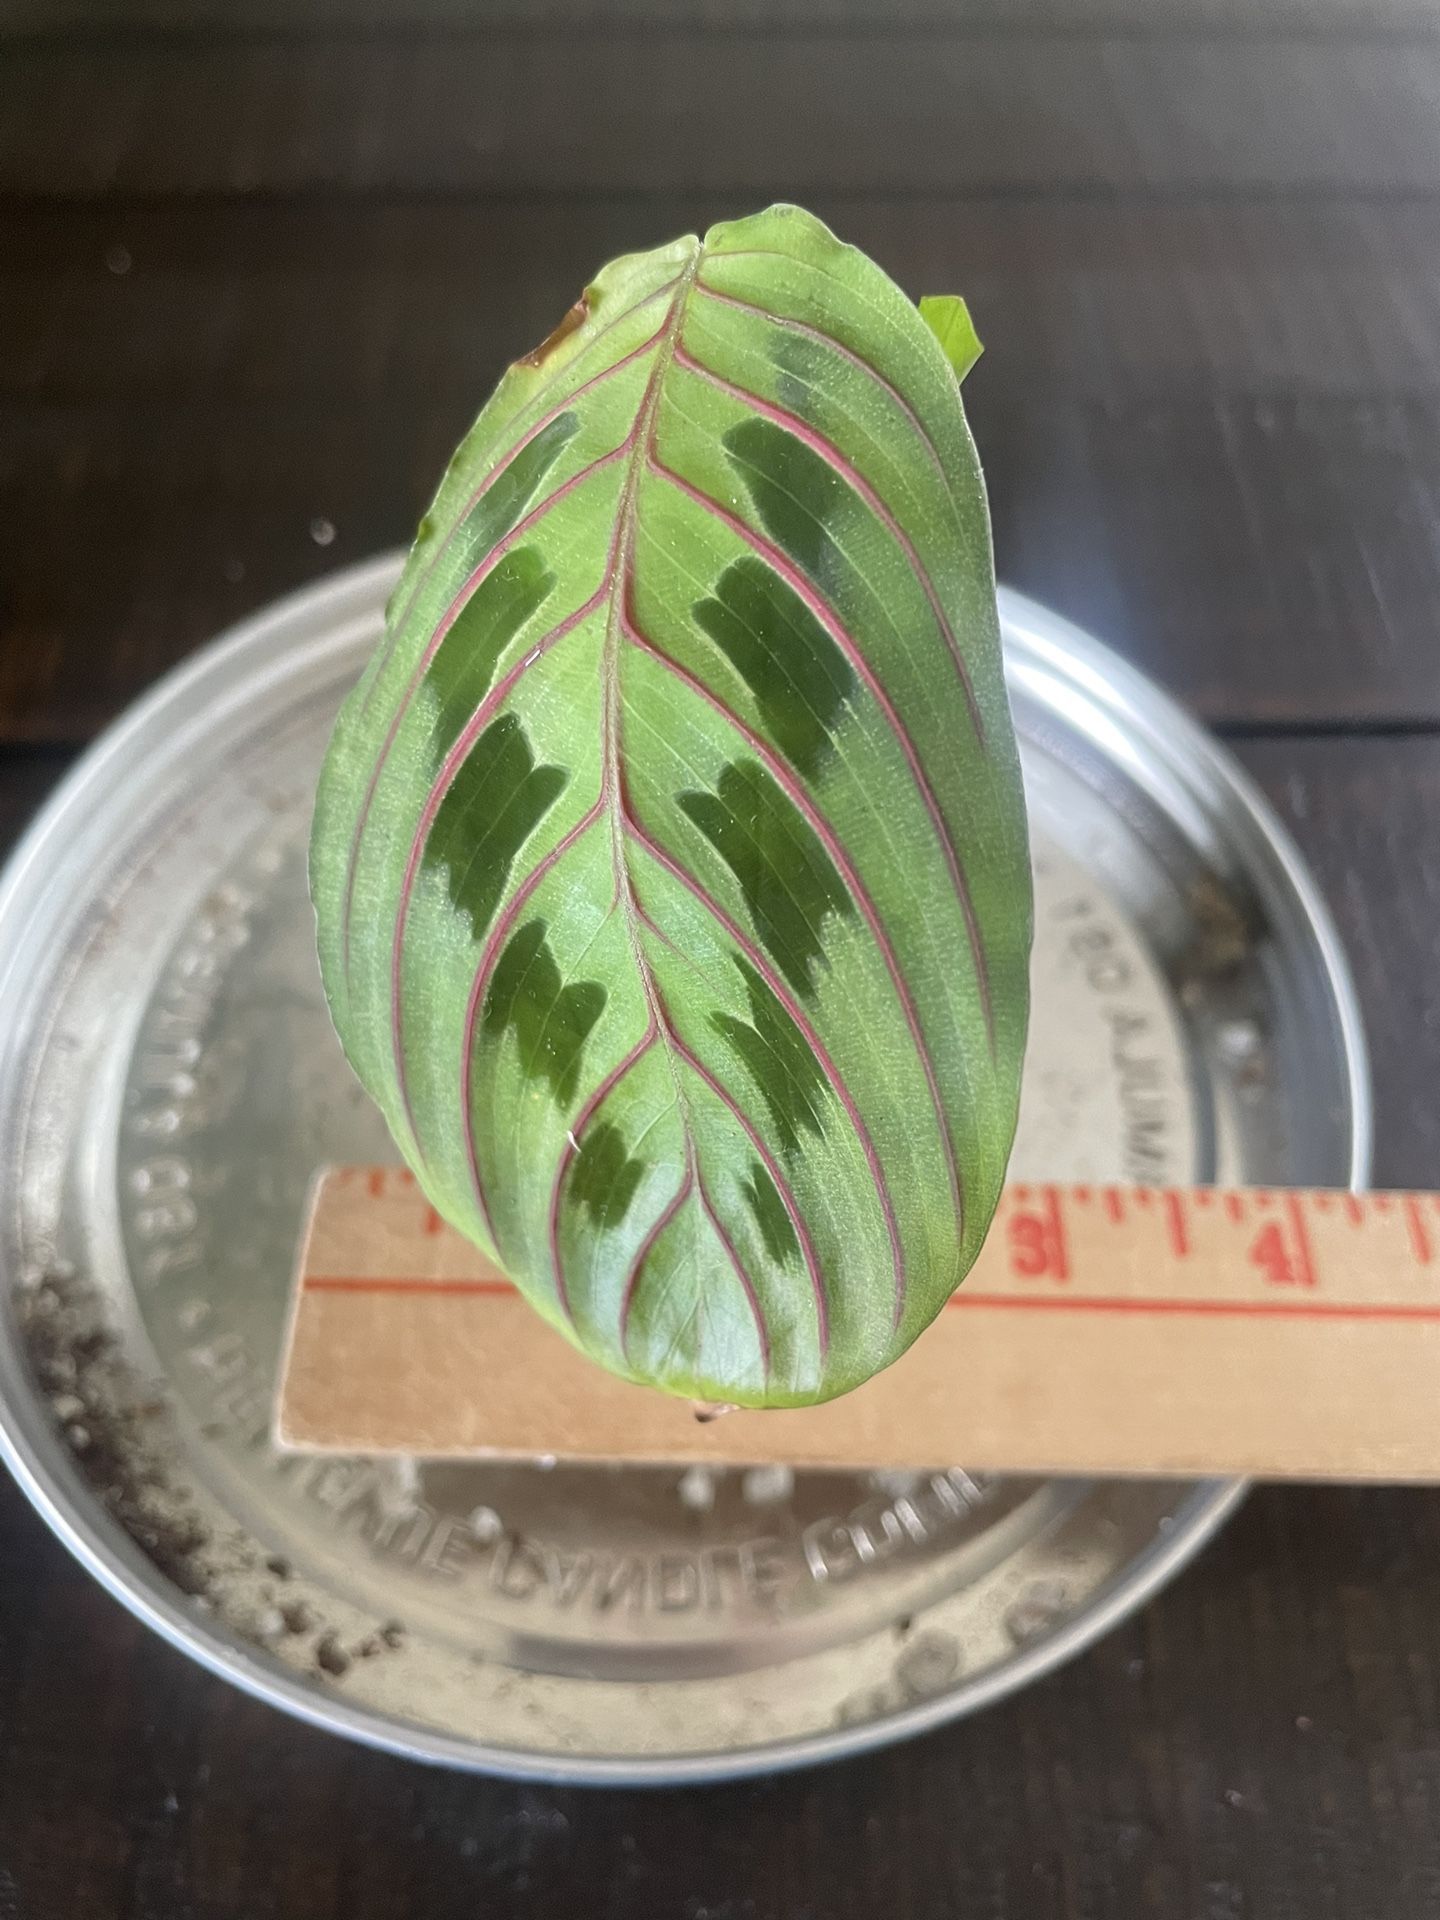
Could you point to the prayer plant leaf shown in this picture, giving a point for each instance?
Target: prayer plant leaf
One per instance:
(669, 858)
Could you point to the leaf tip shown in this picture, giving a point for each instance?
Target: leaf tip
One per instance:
(948, 318)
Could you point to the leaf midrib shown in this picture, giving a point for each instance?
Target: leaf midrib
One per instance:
(613, 790)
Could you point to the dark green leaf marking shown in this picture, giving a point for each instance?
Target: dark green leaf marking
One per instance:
(777, 1229)
(795, 492)
(464, 665)
(496, 800)
(605, 1178)
(513, 488)
(551, 1022)
(782, 1061)
(799, 677)
(788, 880)
(799, 369)
(494, 514)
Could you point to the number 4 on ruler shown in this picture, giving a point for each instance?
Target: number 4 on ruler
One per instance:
(1284, 1261)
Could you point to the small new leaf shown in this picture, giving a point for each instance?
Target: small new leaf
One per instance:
(948, 318)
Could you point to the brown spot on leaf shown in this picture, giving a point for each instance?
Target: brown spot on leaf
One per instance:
(576, 317)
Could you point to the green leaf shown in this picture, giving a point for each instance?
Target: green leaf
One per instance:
(669, 858)
(948, 318)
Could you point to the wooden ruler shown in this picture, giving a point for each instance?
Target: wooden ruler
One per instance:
(1103, 1329)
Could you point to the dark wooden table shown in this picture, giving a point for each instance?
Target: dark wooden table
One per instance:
(259, 262)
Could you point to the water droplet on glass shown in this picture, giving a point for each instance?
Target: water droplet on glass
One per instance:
(767, 1486)
(486, 1526)
(1040, 1607)
(398, 1488)
(696, 1488)
(894, 1483)
(930, 1662)
(1239, 1042)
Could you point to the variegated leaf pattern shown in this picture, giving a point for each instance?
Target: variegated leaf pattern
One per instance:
(669, 858)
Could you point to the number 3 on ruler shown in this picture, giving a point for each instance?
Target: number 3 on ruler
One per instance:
(1037, 1249)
